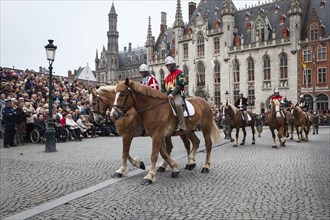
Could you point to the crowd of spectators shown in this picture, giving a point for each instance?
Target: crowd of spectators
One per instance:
(29, 93)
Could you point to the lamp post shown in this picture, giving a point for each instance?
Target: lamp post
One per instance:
(227, 96)
(50, 130)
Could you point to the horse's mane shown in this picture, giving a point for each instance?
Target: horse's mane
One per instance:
(235, 110)
(142, 89)
(107, 89)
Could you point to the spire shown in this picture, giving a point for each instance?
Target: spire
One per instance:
(178, 16)
(97, 55)
(113, 10)
(149, 35)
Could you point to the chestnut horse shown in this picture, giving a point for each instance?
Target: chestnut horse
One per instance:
(236, 121)
(300, 122)
(159, 122)
(276, 121)
(129, 127)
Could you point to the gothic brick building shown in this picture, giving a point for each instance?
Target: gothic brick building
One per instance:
(223, 49)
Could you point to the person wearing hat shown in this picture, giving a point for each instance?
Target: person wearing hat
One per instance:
(303, 104)
(242, 104)
(9, 118)
(148, 78)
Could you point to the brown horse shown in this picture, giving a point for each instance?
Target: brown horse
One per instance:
(130, 127)
(159, 122)
(276, 121)
(301, 123)
(237, 122)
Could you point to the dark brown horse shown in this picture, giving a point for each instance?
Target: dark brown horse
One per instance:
(276, 121)
(129, 127)
(159, 122)
(301, 123)
(237, 122)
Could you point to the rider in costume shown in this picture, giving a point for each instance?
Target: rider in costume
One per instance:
(148, 78)
(303, 104)
(281, 100)
(242, 104)
(173, 86)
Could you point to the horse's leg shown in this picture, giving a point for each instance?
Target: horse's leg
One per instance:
(169, 147)
(236, 142)
(169, 161)
(208, 146)
(273, 136)
(230, 129)
(244, 135)
(292, 129)
(253, 132)
(298, 133)
(192, 154)
(127, 140)
(280, 135)
(157, 143)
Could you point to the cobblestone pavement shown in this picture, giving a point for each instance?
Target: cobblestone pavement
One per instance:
(247, 182)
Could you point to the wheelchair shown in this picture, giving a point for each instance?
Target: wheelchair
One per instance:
(38, 134)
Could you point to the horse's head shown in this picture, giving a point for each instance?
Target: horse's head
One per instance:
(101, 101)
(226, 109)
(123, 100)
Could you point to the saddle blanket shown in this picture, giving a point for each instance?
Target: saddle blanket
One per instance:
(190, 108)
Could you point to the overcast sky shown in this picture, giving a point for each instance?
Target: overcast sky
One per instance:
(78, 28)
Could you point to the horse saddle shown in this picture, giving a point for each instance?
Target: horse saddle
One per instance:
(190, 108)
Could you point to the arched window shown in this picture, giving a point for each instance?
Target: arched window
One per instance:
(200, 74)
(236, 71)
(216, 70)
(260, 31)
(283, 74)
(283, 66)
(322, 102)
(266, 72)
(186, 73)
(200, 45)
(250, 62)
(161, 74)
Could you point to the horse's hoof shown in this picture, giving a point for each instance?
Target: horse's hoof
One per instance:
(253, 143)
(146, 182)
(235, 145)
(298, 141)
(161, 169)
(274, 146)
(117, 175)
(190, 166)
(232, 140)
(142, 166)
(205, 170)
(291, 138)
(175, 174)
(306, 140)
(242, 143)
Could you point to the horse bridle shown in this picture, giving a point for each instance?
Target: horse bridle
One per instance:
(98, 98)
(122, 109)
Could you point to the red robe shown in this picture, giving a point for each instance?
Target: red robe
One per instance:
(151, 81)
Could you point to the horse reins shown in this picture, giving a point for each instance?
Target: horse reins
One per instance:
(123, 110)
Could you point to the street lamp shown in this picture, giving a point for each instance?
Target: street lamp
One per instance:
(50, 130)
(227, 96)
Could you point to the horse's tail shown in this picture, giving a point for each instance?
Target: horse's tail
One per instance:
(215, 134)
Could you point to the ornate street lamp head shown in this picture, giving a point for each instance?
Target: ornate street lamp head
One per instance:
(50, 50)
